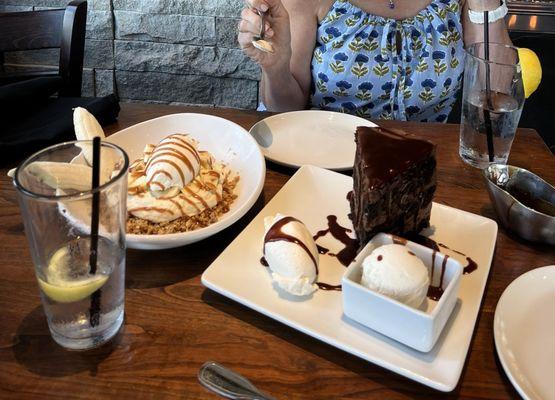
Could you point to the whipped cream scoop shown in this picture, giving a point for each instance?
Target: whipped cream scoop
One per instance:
(291, 254)
(394, 271)
(205, 191)
(173, 163)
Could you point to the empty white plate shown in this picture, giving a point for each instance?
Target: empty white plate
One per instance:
(524, 331)
(227, 141)
(325, 139)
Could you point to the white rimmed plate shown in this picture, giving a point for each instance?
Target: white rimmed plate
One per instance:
(311, 195)
(524, 331)
(325, 139)
(227, 141)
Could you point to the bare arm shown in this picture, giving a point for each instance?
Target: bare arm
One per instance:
(286, 75)
(287, 87)
(473, 33)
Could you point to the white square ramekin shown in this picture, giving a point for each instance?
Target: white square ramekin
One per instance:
(416, 328)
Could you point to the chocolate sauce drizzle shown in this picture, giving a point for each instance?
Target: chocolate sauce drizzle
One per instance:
(276, 234)
(327, 286)
(435, 292)
(346, 255)
(470, 267)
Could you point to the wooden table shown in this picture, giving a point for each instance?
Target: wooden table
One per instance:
(173, 324)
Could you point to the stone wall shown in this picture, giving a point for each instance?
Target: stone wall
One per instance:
(161, 51)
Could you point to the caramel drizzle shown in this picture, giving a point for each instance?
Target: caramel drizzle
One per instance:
(173, 164)
(172, 153)
(156, 209)
(159, 171)
(179, 138)
(158, 184)
(184, 145)
(183, 197)
(196, 196)
(176, 203)
(199, 184)
(214, 174)
(136, 173)
(136, 190)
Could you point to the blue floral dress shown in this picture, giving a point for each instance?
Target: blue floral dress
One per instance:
(378, 67)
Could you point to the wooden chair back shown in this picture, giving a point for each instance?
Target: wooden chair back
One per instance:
(63, 28)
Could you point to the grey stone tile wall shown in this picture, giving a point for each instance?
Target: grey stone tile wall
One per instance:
(156, 51)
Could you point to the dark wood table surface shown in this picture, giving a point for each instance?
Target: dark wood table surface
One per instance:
(173, 324)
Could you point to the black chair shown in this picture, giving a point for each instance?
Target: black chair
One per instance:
(63, 29)
(32, 115)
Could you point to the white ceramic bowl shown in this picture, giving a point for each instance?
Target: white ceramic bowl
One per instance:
(227, 141)
(417, 328)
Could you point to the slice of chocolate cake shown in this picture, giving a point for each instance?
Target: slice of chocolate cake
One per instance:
(394, 178)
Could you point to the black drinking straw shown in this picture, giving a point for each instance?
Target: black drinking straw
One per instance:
(94, 311)
(487, 117)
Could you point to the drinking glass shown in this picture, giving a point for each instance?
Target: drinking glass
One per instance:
(82, 290)
(497, 110)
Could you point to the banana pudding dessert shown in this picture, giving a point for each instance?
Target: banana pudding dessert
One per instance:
(175, 187)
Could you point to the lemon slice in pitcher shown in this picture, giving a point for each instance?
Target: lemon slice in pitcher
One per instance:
(66, 283)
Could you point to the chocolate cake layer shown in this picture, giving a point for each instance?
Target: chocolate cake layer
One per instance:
(394, 178)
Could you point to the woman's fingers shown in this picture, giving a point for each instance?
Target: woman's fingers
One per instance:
(275, 7)
(260, 5)
(245, 40)
(250, 23)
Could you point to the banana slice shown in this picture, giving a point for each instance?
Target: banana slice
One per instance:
(86, 126)
(63, 176)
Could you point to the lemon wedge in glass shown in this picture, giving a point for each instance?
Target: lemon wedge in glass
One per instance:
(531, 70)
(66, 283)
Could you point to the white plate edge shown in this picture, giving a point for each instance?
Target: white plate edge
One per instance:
(496, 333)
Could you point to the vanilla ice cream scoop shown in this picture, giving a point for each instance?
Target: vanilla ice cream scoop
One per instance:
(394, 271)
(291, 254)
(173, 163)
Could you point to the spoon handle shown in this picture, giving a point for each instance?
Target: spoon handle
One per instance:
(227, 383)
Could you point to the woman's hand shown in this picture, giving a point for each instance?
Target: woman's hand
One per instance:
(277, 31)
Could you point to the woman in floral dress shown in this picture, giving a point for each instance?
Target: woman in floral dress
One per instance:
(386, 59)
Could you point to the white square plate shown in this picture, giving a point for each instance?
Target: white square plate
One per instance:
(311, 195)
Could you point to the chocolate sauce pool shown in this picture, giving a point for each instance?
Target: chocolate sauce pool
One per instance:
(348, 253)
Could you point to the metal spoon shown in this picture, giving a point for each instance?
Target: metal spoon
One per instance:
(228, 384)
(258, 41)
